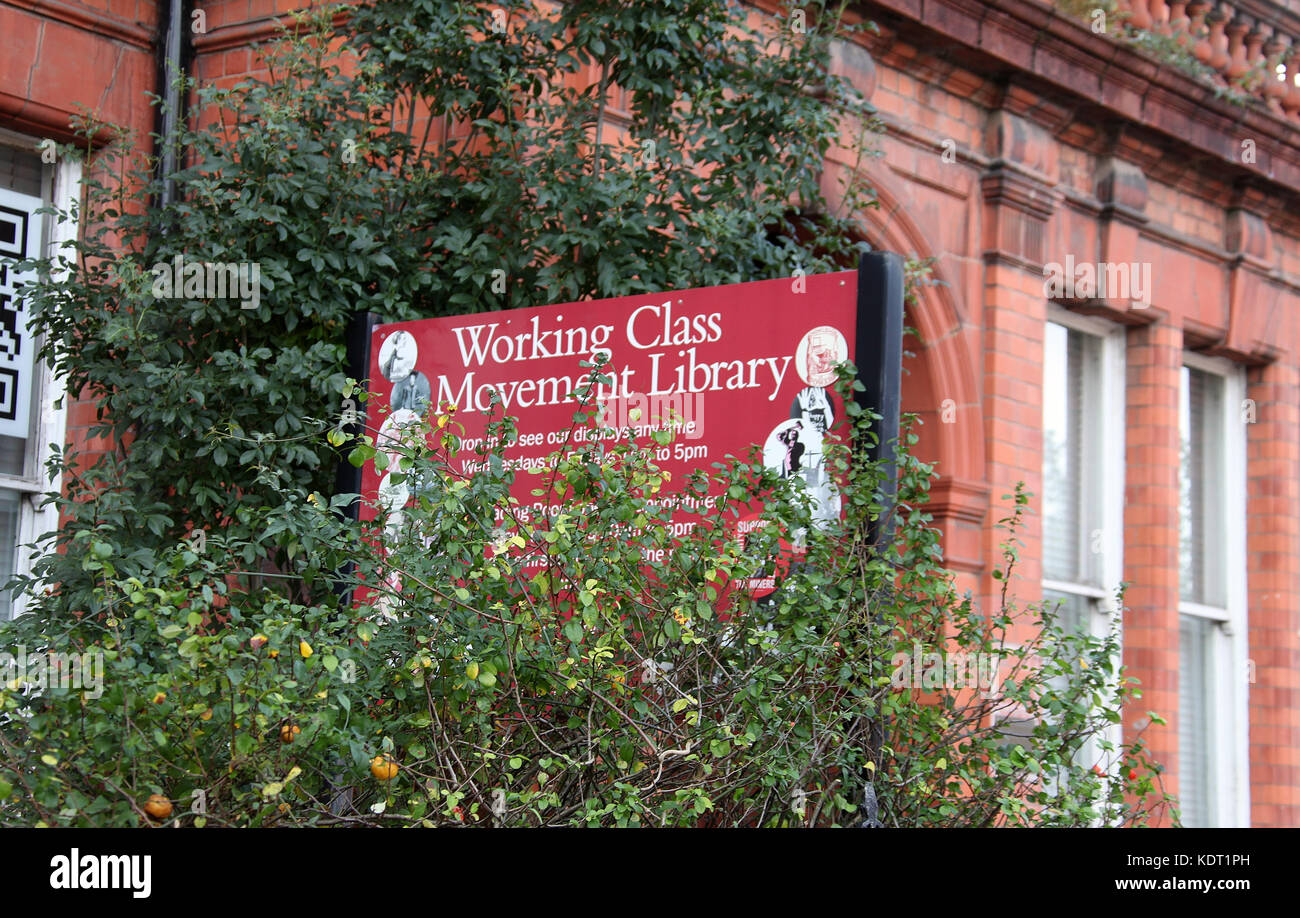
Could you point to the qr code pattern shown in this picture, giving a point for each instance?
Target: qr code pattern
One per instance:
(14, 362)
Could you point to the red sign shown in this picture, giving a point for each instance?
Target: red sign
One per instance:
(725, 367)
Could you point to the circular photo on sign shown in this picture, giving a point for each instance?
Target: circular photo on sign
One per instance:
(386, 600)
(797, 449)
(818, 352)
(391, 499)
(397, 432)
(411, 393)
(392, 495)
(397, 356)
(784, 449)
(814, 406)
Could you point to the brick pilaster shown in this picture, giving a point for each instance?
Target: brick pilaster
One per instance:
(1151, 536)
(1273, 577)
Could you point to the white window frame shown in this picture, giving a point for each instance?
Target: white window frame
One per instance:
(1104, 481)
(61, 187)
(1105, 475)
(1229, 743)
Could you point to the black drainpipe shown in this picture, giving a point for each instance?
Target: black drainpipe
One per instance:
(173, 61)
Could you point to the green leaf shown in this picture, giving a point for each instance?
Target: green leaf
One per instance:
(573, 630)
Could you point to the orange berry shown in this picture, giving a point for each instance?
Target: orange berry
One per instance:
(158, 806)
(383, 767)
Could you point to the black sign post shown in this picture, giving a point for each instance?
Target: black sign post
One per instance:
(347, 477)
(880, 369)
(880, 365)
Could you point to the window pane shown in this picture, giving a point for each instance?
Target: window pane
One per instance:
(1194, 725)
(1070, 434)
(22, 178)
(1201, 489)
(13, 455)
(10, 512)
(1074, 614)
(20, 170)
(21, 229)
(1071, 609)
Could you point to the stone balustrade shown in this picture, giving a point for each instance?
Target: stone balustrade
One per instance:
(1250, 47)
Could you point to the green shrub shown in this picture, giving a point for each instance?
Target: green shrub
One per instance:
(590, 686)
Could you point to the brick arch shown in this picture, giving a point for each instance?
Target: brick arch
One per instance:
(942, 368)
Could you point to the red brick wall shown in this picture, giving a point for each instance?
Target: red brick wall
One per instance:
(1273, 525)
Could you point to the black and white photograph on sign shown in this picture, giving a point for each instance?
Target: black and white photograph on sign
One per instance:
(784, 449)
(411, 393)
(813, 408)
(818, 353)
(795, 449)
(814, 405)
(397, 356)
(392, 498)
(393, 433)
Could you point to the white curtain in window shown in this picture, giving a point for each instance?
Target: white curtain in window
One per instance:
(1064, 434)
(1194, 726)
(1201, 497)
